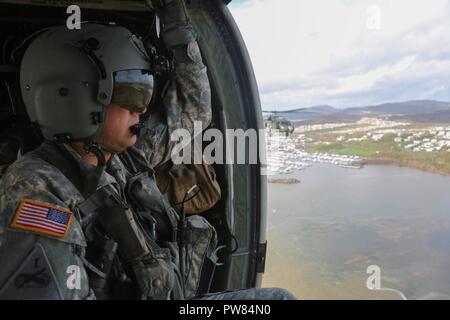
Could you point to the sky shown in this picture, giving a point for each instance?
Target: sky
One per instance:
(346, 53)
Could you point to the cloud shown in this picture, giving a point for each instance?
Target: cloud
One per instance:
(307, 52)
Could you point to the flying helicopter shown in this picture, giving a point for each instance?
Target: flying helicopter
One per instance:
(275, 122)
(240, 216)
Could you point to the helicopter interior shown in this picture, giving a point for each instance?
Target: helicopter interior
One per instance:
(239, 217)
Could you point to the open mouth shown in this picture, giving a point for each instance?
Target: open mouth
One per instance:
(135, 129)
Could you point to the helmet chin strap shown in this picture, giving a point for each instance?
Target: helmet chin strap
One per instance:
(98, 150)
(92, 181)
(106, 149)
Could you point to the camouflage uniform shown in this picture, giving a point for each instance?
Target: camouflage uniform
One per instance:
(49, 273)
(33, 178)
(190, 88)
(48, 262)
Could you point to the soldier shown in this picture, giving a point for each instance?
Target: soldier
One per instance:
(81, 216)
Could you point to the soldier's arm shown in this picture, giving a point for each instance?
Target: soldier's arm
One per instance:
(188, 98)
(40, 259)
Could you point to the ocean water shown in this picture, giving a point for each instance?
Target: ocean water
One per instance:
(327, 230)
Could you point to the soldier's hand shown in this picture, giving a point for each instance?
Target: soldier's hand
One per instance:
(176, 28)
(172, 12)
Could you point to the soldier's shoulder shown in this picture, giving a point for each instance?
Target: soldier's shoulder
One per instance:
(29, 178)
(32, 186)
(31, 169)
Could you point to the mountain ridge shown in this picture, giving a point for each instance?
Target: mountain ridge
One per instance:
(414, 110)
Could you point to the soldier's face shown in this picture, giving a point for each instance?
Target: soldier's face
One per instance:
(116, 133)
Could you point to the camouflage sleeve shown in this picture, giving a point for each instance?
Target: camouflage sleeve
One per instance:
(39, 260)
(188, 99)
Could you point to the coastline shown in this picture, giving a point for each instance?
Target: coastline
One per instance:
(407, 163)
(284, 180)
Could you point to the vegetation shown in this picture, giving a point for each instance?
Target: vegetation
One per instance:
(384, 151)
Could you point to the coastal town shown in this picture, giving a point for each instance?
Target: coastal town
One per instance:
(352, 144)
(430, 139)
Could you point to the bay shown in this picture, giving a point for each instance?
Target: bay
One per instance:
(327, 230)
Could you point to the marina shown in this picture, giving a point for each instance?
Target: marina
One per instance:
(287, 154)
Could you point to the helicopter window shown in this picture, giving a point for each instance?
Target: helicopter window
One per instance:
(358, 193)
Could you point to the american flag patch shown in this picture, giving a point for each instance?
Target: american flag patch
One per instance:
(43, 218)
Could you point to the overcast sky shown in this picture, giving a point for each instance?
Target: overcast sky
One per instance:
(346, 52)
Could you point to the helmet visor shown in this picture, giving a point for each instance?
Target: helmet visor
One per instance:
(133, 89)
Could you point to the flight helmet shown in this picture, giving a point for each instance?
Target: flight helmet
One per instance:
(68, 77)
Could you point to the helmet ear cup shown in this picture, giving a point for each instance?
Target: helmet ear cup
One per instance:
(64, 105)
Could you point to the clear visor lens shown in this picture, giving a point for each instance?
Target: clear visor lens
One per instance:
(133, 89)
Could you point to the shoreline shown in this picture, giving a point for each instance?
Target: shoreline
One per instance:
(284, 181)
(407, 164)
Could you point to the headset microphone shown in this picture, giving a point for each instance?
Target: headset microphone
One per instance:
(136, 128)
